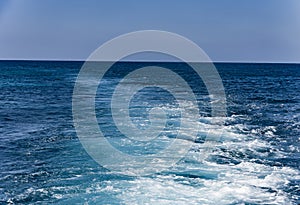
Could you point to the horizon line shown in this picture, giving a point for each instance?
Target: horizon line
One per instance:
(152, 61)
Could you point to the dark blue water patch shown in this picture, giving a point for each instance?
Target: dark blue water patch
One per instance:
(120, 69)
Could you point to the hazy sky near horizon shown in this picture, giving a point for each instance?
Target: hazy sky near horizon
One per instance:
(231, 30)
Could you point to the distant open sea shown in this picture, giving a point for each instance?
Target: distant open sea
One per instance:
(256, 161)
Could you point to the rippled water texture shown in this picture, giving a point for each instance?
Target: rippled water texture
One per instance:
(255, 161)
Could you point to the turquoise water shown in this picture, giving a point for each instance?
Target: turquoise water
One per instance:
(256, 161)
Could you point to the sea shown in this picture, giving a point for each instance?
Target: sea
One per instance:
(255, 159)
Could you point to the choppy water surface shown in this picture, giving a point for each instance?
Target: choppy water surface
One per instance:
(253, 160)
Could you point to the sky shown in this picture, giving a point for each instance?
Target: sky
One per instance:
(227, 30)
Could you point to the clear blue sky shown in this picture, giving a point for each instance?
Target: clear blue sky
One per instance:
(228, 30)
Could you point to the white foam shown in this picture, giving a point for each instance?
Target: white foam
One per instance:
(244, 182)
(231, 188)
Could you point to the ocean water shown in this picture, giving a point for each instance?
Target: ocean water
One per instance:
(255, 161)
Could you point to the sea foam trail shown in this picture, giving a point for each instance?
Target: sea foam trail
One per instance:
(230, 172)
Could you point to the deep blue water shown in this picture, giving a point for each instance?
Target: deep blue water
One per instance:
(257, 160)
